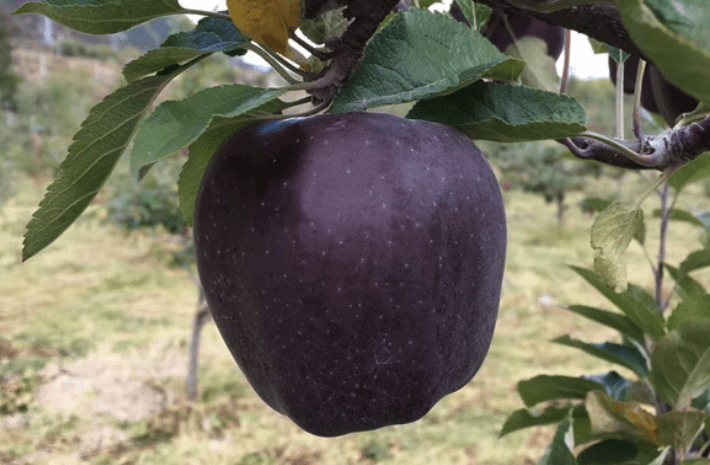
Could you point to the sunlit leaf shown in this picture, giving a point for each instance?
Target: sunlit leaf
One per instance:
(629, 418)
(612, 232)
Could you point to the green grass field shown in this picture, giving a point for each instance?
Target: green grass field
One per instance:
(93, 352)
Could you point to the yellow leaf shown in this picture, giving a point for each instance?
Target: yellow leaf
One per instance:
(268, 22)
(611, 416)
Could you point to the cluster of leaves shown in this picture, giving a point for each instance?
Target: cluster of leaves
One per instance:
(610, 418)
(417, 55)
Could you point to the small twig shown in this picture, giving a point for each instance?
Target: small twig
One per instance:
(665, 218)
(638, 88)
(213, 14)
(620, 70)
(320, 54)
(278, 65)
(568, 57)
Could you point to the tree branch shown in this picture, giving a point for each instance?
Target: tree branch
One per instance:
(351, 46)
(673, 147)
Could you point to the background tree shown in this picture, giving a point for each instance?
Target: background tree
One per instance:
(8, 78)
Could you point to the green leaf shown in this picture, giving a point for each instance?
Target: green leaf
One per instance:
(640, 233)
(621, 323)
(679, 429)
(688, 287)
(525, 418)
(608, 452)
(468, 9)
(551, 387)
(203, 148)
(644, 316)
(695, 171)
(680, 363)
(598, 47)
(540, 71)
(505, 113)
(157, 60)
(695, 261)
(420, 54)
(690, 309)
(595, 203)
(210, 35)
(559, 452)
(612, 232)
(680, 215)
(175, 124)
(476, 13)
(102, 16)
(98, 145)
(617, 54)
(201, 151)
(702, 402)
(614, 384)
(628, 357)
(674, 36)
(609, 416)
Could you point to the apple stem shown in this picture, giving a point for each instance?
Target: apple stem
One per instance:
(276, 62)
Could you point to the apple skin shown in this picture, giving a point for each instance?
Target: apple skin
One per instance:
(353, 264)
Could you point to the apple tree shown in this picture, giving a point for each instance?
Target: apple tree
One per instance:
(354, 55)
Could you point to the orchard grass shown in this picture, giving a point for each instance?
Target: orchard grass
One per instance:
(100, 306)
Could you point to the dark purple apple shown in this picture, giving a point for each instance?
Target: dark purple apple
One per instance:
(353, 264)
(671, 101)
